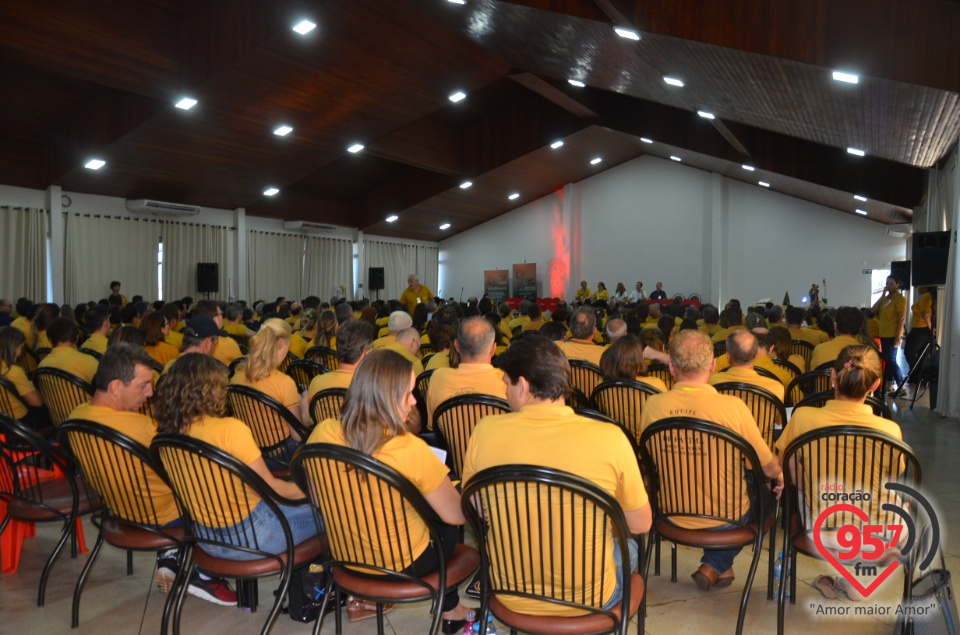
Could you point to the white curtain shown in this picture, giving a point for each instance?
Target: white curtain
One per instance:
(100, 249)
(397, 264)
(428, 268)
(327, 268)
(944, 213)
(23, 253)
(274, 265)
(186, 244)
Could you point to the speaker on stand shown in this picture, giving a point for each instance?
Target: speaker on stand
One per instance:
(208, 277)
(376, 280)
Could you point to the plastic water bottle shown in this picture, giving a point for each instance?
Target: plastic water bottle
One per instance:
(491, 629)
(777, 574)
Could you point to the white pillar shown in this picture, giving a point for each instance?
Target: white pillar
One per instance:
(238, 287)
(57, 292)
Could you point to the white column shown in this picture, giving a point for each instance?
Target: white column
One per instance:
(571, 219)
(57, 244)
(238, 286)
(715, 227)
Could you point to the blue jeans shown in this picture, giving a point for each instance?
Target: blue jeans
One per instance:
(722, 560)
(892, 373)
(618, 563)
(261, 530)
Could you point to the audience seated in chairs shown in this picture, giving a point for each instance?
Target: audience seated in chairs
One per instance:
(691, 362)
(373, 422)
(227, 349)
(63, 334)
(122, 385)
(583, 327)
(27, 396)
(354, 339)
(742, 349)
(200, 335)
(624, 360)
(542, 431)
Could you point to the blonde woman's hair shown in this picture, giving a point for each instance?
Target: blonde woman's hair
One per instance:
(857, 368)
(328, 329)
(262, 358)
(195, 386)
(308, 321)
(371, 411)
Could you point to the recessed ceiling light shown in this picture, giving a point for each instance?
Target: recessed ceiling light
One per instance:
(674, 157)
(466, 184)
(457, 1)
(595, 160)
(706, 115)
(392, 218)
(556, 144)
(748, 168)
(271, 191)
(186, 103)
(457, 96)
(355, 148)
(763, 184)
(856, 151)
(576, 82)
(283, 130)
(849, 78)
(862, 212)
(94, 164)
(304, 26)
(627, 34)
(445, 226)
(860, 198)
(673, 81)
(514, 196)
(645, 140)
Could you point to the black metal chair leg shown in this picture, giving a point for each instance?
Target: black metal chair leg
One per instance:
(75, 614)
(673, 562)
(64, 536)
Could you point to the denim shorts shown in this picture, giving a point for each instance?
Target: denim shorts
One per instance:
(261, 530)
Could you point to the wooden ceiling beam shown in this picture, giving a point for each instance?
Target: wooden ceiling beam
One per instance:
(426, 143)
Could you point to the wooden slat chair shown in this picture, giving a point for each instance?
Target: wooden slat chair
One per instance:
(456, 418)
(62, 392)
(766, 408)
(303, 371)
(819, 399)
(327, 404)
(661, 372)
(420, 394)
(326, 357)
(270, 421)
(10, 398)
(789, 366)
(622, 400)
(802, 348)
(808, 383)
(585, 377)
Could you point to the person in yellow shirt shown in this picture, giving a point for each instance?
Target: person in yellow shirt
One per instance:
(542, 430)
(354, 337)
(63, 334)
(98, 326)
(584, 293)
(115, 290)
(173, 337)
(227, 350)
(691, 363)
(583, 327)
(12, 342)
(536, 319)
(601, 293)
(849, 325)
(742, 347)
(891, 310)
(414, 294)
(921, 326)
(155, 327)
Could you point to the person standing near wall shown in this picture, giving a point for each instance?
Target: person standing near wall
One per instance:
(891, 310)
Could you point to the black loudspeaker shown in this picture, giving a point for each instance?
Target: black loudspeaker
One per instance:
(900, 269)
(376, 278)
(208, 277)
(930, 253)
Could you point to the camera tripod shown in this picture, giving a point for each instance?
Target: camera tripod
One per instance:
(917, 375)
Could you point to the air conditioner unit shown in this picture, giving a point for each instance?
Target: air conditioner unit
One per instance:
(903, 230)
(308, 228)
(160, 208)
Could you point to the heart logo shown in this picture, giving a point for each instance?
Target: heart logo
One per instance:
(832, 559)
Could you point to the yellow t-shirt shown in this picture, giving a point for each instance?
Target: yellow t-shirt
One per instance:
(175, 339)
(162, 352)
(24, 386)
(702, 401)
(22, 324)
(924, 304)
(410, 298)
(227, 350)
(298, 345)
(439, 360)
(743, 375)
(73, 361)
(830, 351)
(141, 429)
(891, 308)
(467, 379)
(584, 294)
(97, 343)
(233, 437)
(339, 378)
(413, 359)
(582, 349)
(409, 455)
(385, 340)
(278, 385)
(556, 437)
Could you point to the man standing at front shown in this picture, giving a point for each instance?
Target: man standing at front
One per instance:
(414, 294)
(543, 431)
(691, 362)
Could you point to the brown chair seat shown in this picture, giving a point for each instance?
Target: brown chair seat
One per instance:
(461, 565)
(712, 538)
(56, 495)
(124, 536)
(304, 552)
(565, 625)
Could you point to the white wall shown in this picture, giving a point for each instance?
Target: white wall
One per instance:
(652, 219)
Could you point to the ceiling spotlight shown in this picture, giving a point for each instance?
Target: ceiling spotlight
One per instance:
(94, 164)
(355, 148)
(445, 226)
(514, 196)
(849, 78)
(645, 140)
(304, 26)
(706, 115)
(673, 81)
(576, 82)
(283, 130)
(466, 184)
(748, 168)
(457, 1)
(860, 198)
(862, 212)
(856, 151)
(186, 103)
(627, 34)
(556, 144)
(674, 157)
(457, 96)
(763, 184)
(392, 218)
(271, 191)
(595, 160)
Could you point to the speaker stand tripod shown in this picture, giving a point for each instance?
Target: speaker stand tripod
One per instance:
(915, 376)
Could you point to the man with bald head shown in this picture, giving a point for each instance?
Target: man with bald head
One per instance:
(616, 328)
(741, 353)
(583, 326)
(476, 375)
(691, 362)
(415, 294)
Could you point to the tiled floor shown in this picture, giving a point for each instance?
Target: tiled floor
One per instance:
(117, 605)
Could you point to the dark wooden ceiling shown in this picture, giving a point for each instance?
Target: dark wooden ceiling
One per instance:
(99, 78)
